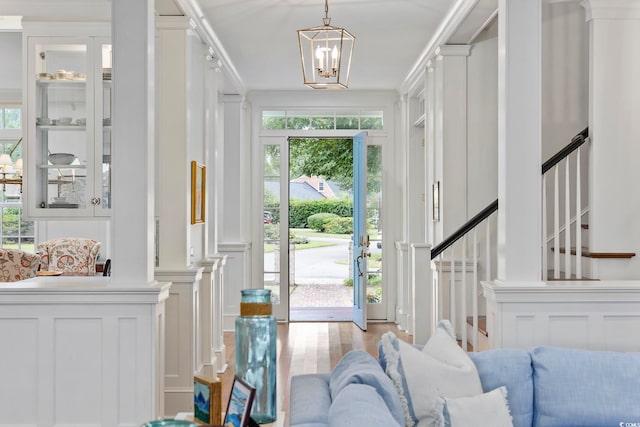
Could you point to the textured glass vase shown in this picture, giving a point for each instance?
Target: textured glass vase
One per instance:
(256, 351)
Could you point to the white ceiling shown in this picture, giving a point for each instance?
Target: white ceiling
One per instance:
(260, 44)
(260, 39)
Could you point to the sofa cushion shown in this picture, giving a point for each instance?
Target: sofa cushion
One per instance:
(310, 400)
(585, 388)
(484, 410)
(441, 369)
(510, 368)
(359, 367)
(358, 405)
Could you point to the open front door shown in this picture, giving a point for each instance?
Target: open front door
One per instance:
(360, 237)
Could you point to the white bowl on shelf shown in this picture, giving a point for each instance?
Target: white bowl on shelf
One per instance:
(64, 121)
(62, 158)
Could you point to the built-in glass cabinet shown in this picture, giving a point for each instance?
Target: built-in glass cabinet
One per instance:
(68, 122)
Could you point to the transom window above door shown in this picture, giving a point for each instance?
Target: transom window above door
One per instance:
(322, 120)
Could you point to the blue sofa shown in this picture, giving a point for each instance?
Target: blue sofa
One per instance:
(546, 387)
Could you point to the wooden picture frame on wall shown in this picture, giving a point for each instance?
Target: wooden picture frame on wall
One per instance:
(198, 192)
(436, 200)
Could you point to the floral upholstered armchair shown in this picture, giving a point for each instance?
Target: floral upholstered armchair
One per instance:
(73, 256)
(17, 265)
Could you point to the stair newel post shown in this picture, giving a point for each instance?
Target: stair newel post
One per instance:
(425, 293)
(578, 216)
(567, 219)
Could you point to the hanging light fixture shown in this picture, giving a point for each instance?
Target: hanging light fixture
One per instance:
(326, 52)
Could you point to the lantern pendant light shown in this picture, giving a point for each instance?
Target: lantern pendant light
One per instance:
(325, 52)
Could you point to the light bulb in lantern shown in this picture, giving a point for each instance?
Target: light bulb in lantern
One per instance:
(320, 58)
(334, 58)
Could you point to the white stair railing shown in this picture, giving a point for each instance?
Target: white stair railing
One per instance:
(557, 176)
(447, 279)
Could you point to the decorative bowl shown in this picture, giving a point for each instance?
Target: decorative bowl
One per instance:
(64, 120)
(62, 158)
(43, 121)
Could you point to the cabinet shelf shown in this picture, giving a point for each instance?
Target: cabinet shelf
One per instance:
(48, 128)
(62, 166)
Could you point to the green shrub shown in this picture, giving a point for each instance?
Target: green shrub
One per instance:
(301, 210)
(271, 232)
(318, 221)
(339, 226)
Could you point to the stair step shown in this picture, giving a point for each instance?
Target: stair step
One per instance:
(573, 277)
(600, 255)
(482, 324)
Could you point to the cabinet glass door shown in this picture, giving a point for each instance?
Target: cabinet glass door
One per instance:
(63, 107)
(102, 198)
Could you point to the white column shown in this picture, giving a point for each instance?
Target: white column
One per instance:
(519, 152)
(173, 161)
(132, 218)
(219, 284)
(183, 338)
(451, 135)
(207, 316)
(614, 108)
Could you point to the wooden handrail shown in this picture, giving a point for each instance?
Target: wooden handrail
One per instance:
(468, 226)
(576, 142)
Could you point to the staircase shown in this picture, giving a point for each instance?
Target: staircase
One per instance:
(460, 262)
(566, 254)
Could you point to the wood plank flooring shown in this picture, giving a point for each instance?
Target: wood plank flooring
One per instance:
(305, 348)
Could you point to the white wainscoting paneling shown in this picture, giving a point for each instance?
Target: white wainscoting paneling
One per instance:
(77, 352)
(594, 315)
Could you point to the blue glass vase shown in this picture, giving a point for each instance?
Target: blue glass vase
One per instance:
(255, 349)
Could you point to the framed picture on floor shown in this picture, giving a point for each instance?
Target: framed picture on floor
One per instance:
(239, 406)
(206, 400)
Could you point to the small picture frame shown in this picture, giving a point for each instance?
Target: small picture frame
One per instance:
(206, 400)
(436, 200)
(198, 192)
(239, 406)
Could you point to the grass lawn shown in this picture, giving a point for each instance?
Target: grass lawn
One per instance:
(268, 248)
(306, 232)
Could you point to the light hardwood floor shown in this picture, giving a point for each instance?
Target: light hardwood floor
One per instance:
(310, 347)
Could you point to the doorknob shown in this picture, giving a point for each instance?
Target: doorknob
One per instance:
(359, 257)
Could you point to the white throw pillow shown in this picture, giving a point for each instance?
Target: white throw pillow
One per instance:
(422, 378)
(485, 410)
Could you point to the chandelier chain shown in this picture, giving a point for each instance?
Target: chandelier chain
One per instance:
(326, 8)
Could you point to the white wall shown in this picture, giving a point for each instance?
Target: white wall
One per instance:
(565, 74)
(482, 121)
(11, 69)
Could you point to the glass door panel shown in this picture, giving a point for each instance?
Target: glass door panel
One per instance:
(374, 223)
(103, 129)
(273, 251)
(63, 104)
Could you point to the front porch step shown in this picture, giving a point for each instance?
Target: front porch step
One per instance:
(598, 255)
